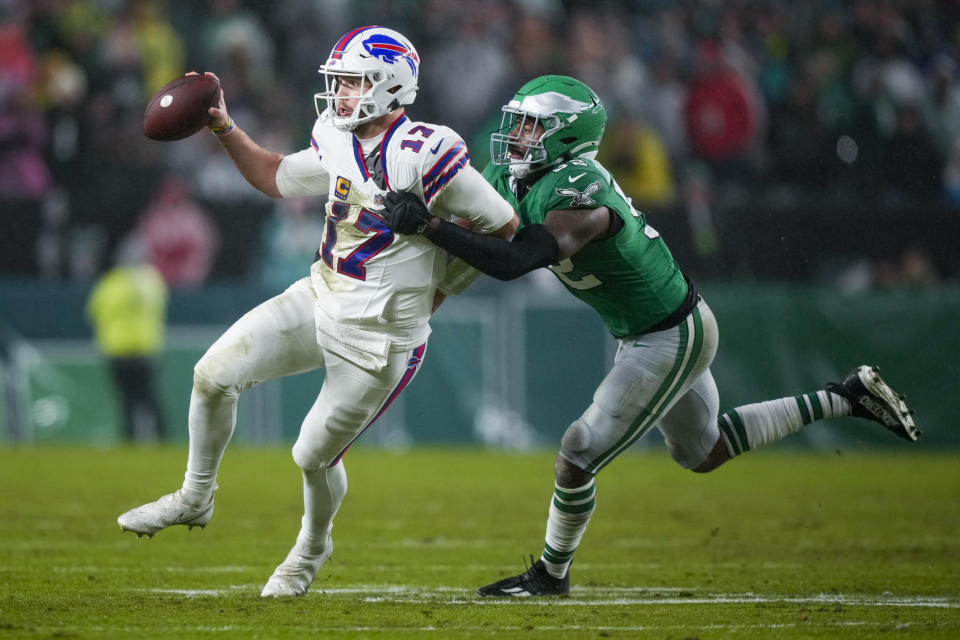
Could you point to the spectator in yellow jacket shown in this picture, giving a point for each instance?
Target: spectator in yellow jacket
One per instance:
(127, 308)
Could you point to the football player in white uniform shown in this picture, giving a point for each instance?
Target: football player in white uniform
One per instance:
(363, 312)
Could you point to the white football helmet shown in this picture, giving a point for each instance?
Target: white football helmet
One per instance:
(388, 62)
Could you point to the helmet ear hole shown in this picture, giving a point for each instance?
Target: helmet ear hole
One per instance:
(568, 140)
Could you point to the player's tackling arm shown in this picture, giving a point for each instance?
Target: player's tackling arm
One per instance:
(477, 206)
(573, 229)
(562, 234)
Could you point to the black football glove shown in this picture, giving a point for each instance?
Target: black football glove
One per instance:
(405, 213)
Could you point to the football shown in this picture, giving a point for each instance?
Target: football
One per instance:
(179, 109)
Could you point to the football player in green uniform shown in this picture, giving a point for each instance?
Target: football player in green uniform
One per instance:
(576, 221)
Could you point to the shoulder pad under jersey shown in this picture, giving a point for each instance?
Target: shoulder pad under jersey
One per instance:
(423, 158)
(577, 184)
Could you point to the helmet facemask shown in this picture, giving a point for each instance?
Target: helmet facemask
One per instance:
(567, 112)
(374, 101)
(518, 133)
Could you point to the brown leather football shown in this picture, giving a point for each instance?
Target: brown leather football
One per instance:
(179, 109)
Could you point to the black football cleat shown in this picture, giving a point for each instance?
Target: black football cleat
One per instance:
(872, 399)
(535, 581)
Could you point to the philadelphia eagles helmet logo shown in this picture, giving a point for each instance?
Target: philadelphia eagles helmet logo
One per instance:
(580, 198)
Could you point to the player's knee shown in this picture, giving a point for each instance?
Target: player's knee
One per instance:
(706, 466)
(689, 459)
(209, 390)
(678, 455)
(567, 474)
(577, 437)
(716, 457)
(224, 366)
(210, 379)
(326, 432)
(309, 457)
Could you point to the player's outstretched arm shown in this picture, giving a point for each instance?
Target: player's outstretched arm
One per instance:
(563, 234)
(256, 164)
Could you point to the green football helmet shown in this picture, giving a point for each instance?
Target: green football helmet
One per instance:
(570, 114)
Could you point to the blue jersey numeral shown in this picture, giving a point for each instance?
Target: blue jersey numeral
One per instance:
(368, 222)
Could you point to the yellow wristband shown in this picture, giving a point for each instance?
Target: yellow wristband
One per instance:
(224, 130)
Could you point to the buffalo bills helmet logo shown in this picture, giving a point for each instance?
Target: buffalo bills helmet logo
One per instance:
(389, 50)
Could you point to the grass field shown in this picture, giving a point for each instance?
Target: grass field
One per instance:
(771, 546)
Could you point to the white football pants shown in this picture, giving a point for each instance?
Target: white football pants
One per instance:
(278, 338)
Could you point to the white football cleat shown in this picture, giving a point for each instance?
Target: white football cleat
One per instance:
(293, 577)
(169, 510)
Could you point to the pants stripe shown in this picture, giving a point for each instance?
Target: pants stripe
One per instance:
(412, 365)
(691, 344)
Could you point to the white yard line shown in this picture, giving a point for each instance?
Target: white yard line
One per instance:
(593, 596)
(453, 566)
(446, 629)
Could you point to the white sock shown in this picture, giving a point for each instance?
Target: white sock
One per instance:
(212, 418)
(323, 492)
(570, 511)
(755, 425)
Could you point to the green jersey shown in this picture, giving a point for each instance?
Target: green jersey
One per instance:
(630, 278)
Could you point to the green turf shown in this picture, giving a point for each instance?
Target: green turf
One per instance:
(770, 546)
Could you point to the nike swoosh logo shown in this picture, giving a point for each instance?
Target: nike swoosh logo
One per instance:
(436, 148)
(576, 177)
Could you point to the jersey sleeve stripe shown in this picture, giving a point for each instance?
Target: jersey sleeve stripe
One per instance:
(436, 169)
(314, 143)
(438, 184)
(442, 165)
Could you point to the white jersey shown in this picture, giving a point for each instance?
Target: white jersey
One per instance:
(374, 288)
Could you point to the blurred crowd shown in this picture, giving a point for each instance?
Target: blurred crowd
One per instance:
(721, 114)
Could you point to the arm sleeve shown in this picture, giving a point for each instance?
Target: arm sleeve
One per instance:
(301, 174)
(533, 247)
(470, 197)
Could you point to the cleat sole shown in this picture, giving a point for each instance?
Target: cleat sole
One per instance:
(874, 384)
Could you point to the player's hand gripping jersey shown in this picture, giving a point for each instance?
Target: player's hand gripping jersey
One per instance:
(375, 288)
(631, 278)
